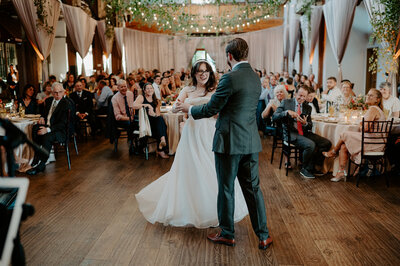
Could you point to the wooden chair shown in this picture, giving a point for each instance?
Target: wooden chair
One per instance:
(288, 148)
(377, 134)
(277, 137)
(69, 135)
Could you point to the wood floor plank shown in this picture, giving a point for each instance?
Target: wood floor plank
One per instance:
(89, 216)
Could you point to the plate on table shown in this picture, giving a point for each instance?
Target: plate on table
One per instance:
(32, 116)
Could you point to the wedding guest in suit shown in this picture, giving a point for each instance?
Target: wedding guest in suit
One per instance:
(350, 142)
(157, 123)
(83, 101)
(51, 126)
(298, 112)
(390, 103)
(28, 100)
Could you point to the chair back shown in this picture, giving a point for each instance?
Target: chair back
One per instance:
(287, 120)
(375, 133)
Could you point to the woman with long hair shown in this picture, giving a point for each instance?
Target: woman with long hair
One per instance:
(28, 100)
(350, 142)
(187, 194)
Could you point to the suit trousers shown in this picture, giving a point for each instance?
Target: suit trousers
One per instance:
(245, 167)
(312, 145)
(46, 141)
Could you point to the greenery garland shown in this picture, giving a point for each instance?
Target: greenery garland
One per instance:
(385, 26)
(171, 16)
(41, 12)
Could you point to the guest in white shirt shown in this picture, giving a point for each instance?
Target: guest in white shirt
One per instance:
(156, 86)
(391, 104)
(332, 92)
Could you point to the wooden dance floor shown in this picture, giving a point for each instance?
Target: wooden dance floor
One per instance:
(89, 216)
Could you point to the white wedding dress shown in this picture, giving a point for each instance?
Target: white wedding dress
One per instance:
(187, 194)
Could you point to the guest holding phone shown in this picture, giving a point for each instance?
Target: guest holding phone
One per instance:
(298, 112)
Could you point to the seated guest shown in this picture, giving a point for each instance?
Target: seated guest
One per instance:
(391, 104)
(92, 83)
(298, 112)
(347, 92)
(280, 95)
(52, 79)
(296, 80)
(266, 91)
(46, 93)
(290, 87)
(122, 103)
(113, 85)
(84, 84)
(157, 123)
(312, 101)
(70, 83)
(332, 92)
(156, 86)
(164, 89)
(51, 126)
(350, 142)
(83, 101)
(28, 100)
(172, 85)
(101, 95)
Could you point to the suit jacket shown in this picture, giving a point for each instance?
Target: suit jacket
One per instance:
(83, 104)
(235, 99)
(58, 120)
(280, 113)
(316, 105)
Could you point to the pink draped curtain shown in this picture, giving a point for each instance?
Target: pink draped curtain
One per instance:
(41, 40)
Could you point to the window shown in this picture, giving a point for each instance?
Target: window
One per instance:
(8, 55)
(202, 54)
(88, 63)
(107, 64)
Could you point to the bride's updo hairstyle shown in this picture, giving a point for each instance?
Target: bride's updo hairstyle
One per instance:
(211, 82)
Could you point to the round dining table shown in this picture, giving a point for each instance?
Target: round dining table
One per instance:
(172, 120)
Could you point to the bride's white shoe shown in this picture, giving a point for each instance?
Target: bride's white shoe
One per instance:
(341, 175)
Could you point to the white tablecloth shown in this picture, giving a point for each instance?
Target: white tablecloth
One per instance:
(172, 121)
(332, 132)
(24, 153)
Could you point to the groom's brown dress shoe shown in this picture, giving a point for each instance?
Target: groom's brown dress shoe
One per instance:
(264, 244)
(217, 238)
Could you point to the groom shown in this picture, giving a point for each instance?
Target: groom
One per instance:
(236, 143)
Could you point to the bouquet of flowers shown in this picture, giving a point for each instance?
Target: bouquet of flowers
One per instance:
(358, 102)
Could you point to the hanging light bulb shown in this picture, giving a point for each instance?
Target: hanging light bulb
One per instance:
(258, 20)
(243, 25)
(237, 25)
(248, 24)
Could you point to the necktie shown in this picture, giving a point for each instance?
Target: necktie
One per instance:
(299, 125)
(127, 107)
(52, 108)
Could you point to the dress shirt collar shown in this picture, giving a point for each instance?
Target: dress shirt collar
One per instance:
(238, 63)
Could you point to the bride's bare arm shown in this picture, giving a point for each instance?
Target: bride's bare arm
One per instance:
(181, 98)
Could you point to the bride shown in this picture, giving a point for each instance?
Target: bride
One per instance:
(187, 194)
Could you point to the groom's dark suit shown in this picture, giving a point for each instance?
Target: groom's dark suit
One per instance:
(236, 146)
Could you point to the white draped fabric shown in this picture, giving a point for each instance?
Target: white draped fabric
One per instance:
(81, 28)
(150, 50)
(106, 42)
(316, 19)
(339, 15)
(305, 31)
(40, 39)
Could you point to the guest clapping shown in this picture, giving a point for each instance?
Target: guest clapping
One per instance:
(157, 123)
(350, 142)
(280, 95)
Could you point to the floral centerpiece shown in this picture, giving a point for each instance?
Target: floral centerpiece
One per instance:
(171, 98)
(357, 102)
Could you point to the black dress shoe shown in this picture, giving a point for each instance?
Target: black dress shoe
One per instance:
(35, 170)
(264, 244)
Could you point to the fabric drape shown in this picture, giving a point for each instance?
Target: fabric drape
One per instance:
(305, 31)
(339, 15)
(315, 24)
(151, 50)
(106, 42)
(40, 39)
(81, 28)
